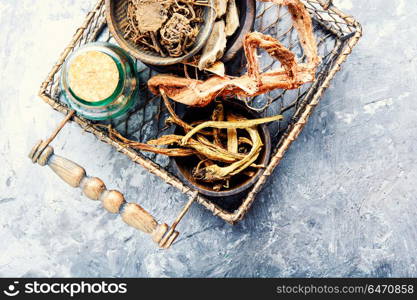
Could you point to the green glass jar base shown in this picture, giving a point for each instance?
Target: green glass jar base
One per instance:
(92, 114)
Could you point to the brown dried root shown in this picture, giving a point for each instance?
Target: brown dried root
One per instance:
(174, 152)
(290, 76)
(174, 117)
(207, 150)
(217, 115)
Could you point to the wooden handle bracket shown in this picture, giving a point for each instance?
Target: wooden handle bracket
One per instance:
(112, 200)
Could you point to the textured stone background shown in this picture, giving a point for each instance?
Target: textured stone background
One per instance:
(342, 203)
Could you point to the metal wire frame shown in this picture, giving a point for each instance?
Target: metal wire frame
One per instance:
(337, 35)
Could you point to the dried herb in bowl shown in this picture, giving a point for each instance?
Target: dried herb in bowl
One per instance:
(167, 27)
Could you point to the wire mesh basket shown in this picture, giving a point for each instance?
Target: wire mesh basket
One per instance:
(336, 35)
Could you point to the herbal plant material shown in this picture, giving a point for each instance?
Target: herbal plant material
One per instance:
(291, 75)
(168, 27)
(226, 24)
(224, 144)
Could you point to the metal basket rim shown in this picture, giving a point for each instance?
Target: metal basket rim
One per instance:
(291, 133)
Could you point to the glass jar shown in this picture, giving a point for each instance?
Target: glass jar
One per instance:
(99, 81)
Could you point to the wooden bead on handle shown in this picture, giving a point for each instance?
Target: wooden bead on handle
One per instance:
(95, 189)
(112, 200)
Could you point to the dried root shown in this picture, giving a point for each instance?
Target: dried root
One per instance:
(216, 173)
(221, 148)
(240, 124)
(291, 75)
(168, 27)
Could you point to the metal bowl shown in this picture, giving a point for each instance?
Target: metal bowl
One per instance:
(183, 166)
(116, 11)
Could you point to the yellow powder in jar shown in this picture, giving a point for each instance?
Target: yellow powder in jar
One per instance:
(93, 76)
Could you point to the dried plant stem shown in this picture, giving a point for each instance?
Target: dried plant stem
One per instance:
(230, 125)
(218, 115)
(232, 139)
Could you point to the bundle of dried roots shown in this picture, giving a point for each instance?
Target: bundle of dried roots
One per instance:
(220, 144)
(291, 75)
(168, 27)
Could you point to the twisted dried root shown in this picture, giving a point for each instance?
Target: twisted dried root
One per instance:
(290, 76)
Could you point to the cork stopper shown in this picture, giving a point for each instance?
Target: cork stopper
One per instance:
(93, 76)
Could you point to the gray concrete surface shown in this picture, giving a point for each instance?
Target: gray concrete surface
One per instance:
(342, 203)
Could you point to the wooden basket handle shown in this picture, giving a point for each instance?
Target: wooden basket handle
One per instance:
(112, 200)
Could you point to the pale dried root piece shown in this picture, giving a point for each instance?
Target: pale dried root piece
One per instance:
(249, 173)
(216, 173)
(217, 68)
(203, 147)
(232, 139)
(241, 124)
(150, 14)
(290, 76)
(214, 47)
(220, 6)
(232, 18)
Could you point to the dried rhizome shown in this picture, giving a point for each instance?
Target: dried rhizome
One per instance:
(167, 27)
